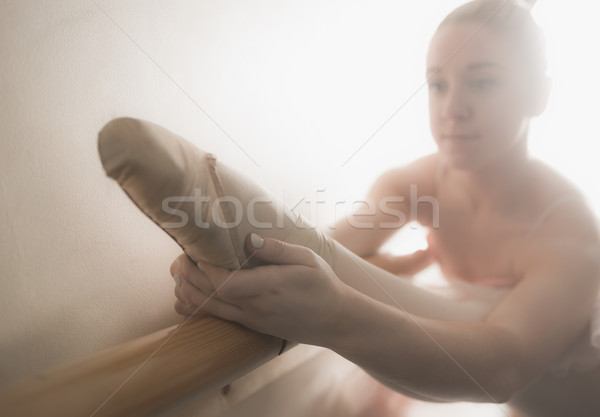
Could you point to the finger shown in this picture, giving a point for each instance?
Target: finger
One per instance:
(422, 258)
(195, 276)
(178, 294)
(208, 304)
(238, 285)
(417, 258)
(232, 286)
(422, 254)
(229, 292)
(176, 266)
(190, 294)
(191, 301)
(179, 268)
(279, 252)
(184, 269)
(186, 298)
(188, 310)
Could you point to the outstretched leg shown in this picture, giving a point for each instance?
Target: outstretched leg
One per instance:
(209, 209)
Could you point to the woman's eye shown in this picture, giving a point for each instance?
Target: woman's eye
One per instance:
(483, 83)
(436, 86)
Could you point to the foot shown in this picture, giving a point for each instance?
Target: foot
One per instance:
(207, 207)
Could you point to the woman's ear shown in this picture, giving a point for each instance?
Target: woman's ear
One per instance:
(541, 96)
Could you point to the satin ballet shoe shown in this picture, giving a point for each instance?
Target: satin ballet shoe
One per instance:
(205, 206)
(210, 209)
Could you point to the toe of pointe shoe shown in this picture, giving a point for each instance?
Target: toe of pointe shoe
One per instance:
(129, 148)
(170, 180)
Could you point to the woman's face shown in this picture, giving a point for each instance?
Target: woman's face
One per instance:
(479, 103)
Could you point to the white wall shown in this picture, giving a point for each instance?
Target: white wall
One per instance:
(298, 87)
(567, 135)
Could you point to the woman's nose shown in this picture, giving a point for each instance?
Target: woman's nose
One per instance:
(455, 105)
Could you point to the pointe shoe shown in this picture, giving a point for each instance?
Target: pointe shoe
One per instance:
(204, 205)
(209, 209)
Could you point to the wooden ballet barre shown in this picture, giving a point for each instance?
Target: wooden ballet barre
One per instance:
(146, 376)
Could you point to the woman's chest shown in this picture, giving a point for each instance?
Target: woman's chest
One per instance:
(479, 248)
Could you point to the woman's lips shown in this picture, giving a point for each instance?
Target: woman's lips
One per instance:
(459, 137)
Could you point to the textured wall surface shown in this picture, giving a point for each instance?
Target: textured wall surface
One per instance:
(80, 268)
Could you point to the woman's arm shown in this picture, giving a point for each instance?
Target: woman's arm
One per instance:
(479, 362)
(301, 299)
(529, 330)
(387, 207)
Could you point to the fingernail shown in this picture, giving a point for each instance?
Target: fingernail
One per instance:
(177, 279)
(199, 265)
(256, 241)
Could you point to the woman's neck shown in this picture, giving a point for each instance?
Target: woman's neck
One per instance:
(498, 184)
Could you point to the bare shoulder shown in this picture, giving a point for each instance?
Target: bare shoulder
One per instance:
(421, 173)
(571, 216)
(570, 232)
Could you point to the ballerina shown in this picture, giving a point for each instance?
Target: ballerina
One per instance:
(508, 224)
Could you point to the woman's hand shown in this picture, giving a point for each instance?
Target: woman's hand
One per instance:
(298, 297)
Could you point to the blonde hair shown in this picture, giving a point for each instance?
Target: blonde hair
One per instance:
(512, 19)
